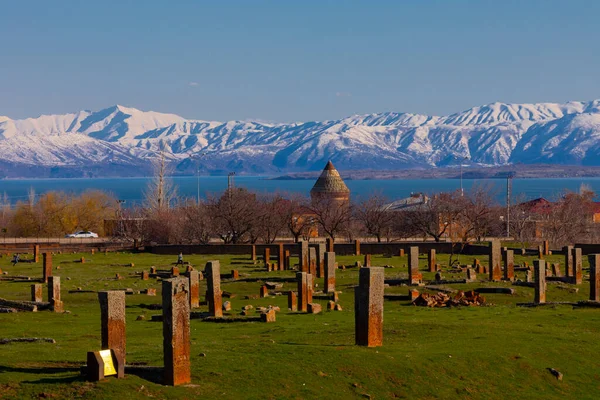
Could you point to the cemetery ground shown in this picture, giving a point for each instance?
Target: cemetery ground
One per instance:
(488, 352)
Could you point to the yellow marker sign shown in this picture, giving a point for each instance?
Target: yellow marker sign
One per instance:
(109, 366)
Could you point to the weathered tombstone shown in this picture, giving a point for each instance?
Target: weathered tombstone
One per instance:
(471, 275)
(235, 275)
(330, 244)
(357, 247)
(286, 261)
(36, 292)
(528, 276)
(431, 261)
(313, 308)
(153, 270)
(253, 253)
(577, 266)
(540, 251)
(112, 321)
(213, 283)
(292, 301)
(267, 257)
(46, 266)
(189, 269)
(321, 248)
(303, 256)
(280, 258)
(509, 265)
(268, 316)
(546, 249)
(414, 277)
(174, 272)
(145, 275)
(264, 292)
(312, 261)
(568, 250)
(176, 330)
(54, 293)
(495, 269)
(401, 253)
(329, 286)
(539, 267)
(556, 270)
(367, 263)
(194, 285)
(310, 284)
(36, 253)
(413, 294)
(368, 307)
(301, 277)
(594, 260)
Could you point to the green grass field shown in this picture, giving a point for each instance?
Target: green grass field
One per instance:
(492, 352)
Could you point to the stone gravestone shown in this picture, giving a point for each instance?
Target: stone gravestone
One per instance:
(194, 284)
(528, 277)
(556, 270)
(357, 247)
(112, 321)
(414, 277)
(594, 260)
(302, 280)
(546, 247)
(46, 266)
(176, 331)
(368, 307)
(292, 301)
(36, 293)
(36, 253)
(471, 275)
(321, 249)
(509, 265)
(495, 269)
(267, 257)
(281, 258)
(540, 252)
(303, 256)
(539, 268)
(367, 263)
(577, 266)
(213, 292)
(253, 253)
(330, 244)
(310, 285)
(312, 261)
(401, 253)
(329, 286)
(568, 250)
(174, 272)
(145, 275)
(286, 261)
(431, 261)
(54, 293)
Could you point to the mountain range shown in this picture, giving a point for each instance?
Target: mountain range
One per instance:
(121, 141)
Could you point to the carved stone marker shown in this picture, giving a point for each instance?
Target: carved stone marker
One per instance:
(301, 277)
(213, 292)
(577, 266)
(539, 268)
(174, 272)
(54, 293)
(303, 256)
(495, 269)
(568, 250)
(471, 275)
(414, 277)
(267, 256)
(540, 251)
(310, 285)
(145, 275)
(312, 261)
(357, 247)
(546, 248)
(46, 266)
(368, 307)
(329, 286)
(431, 260)
(367, 262)
(594, 260)
(401, 253)
(194, 278)
(36, 293)
(253, 253)
(321, 249)
(286, 261)
(112, 321)
(281, 258)
(36, 253)
(292, 301)
(264, 292)
(235, 275)
(330, 244)
(176, 331)
(509, 265)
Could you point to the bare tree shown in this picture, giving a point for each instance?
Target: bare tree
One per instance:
(437, 216)
(332, 215)
(298, 217)
(160, 191)
(235, 215)
(375, 219)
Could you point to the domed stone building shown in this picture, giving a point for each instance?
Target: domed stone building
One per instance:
(330, 186)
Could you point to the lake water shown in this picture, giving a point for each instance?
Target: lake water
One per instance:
(132, 189)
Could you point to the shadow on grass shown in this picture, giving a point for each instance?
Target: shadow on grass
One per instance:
(47, 371)
(148, 373)
(316, 345)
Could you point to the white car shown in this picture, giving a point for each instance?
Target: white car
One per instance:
(83, 234)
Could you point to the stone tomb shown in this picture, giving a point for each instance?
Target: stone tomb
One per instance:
(509, 265)
(194, 284)
(368, 307)
(46, 266)
(292, 301)
(577, 266)
(367, 262)
(568, 250)
(539, 268)
(594, 260)
(213, 292)
(280, 257)
(303, 256)
(329, 286)
(495, 269)
(321, 249)
(431, 260)
(302, 279)
(312, 261)
(54, 294)
(414, 277)
(267, 257)
(112, 321)
(176, 331)
(36, 293)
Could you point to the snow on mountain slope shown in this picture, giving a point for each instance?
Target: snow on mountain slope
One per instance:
(492, 134)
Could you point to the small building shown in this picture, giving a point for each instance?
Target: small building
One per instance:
(330, 186)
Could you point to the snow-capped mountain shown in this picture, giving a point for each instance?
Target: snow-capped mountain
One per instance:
(122, 140)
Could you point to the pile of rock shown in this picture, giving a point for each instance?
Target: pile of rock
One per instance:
(469, 298)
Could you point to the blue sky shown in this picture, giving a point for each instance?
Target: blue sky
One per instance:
(294, 60)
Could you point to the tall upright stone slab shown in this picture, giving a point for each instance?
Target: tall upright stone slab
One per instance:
(368, 307)
(509, 265)
(194, 284)
(112, 321)
(213, 290)
(357, 247)
(546, 247)
(577, 266)
(539, 269)
(540, 252)
(414, 277)
(36, 293)
(495, 269)
(46, 266)
(267, 256)
(286, 261)
(301, 278)
(280, 257)
(594, 260)
(54, 293)
(36, 253)
(568, 250)
(253, 253)
(330, 244)
(367, 262)
(303, 256)
(176, 331)
(312, 261)
(310, 285)
(431, 260)
(321, 249)
(292, 301)
(329, 286)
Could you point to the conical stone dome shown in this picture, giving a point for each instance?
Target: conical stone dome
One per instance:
(330, 185)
